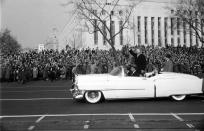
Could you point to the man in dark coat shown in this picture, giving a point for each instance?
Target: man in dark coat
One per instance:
(140, 61)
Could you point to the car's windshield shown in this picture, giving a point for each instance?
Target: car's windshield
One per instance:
(119, 71)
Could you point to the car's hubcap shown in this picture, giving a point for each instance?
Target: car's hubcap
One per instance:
(93, 95)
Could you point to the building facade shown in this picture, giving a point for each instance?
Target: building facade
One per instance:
(1, 2)
(154, 24)
(41, 47)
(52, 42)
(151, 23)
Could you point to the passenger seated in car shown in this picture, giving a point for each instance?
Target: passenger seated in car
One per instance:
(134, 71)
(127, 69)
(153, 73)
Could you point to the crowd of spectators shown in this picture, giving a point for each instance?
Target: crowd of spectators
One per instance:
(53, 65)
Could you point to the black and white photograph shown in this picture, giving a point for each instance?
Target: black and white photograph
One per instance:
(101, 65)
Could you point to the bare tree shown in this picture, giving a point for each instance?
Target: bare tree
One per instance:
(98, 16)
(8, 44)
(191, 14)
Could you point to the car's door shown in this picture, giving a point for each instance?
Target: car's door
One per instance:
(130, 87)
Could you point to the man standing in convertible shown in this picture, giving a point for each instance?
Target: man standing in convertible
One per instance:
(168, 65)
(140, 61)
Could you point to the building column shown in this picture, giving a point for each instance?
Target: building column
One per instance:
(200, 34)
(193, 37)
(169, 31)
(162, 32)
(175, 37)
(156, 31)
(136, 31)
(117, 37)
(181, 34)
(0, 15)
(142, 31)
(187, 35)
(149, 32)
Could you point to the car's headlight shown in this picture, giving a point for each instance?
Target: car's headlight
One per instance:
(74, 88)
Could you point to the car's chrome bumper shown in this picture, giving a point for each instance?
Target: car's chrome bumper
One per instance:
(76, 93)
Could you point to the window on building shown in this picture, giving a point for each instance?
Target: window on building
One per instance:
(179, 41)
(112, 12)
(146, 32)
(172, 26)
(159, 31)
(121, 32)
(113, 31)
(138, 24)
(191, 36)
(165, 29)
(104, 33)
(178, 26)
(191, 33)
(103, 12)
(202, 29)
(139, 39)
(196, 25)
(184, 32)
(120, 12)
(172, 11)
(152, 29)
(95, 32)
(172, 41)
(95, 12)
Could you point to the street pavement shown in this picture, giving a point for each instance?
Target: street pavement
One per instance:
(48, 106)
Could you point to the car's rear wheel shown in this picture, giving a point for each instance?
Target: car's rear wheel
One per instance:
(93, 96)
(178, 97)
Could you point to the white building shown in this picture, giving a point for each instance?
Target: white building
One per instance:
(152, 24)
(41, 47)
(1, 2)
(52, 41)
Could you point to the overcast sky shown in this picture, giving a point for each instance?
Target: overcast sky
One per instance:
(31, 21)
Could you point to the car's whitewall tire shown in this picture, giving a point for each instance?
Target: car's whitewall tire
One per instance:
(93, 96)
(178, 97)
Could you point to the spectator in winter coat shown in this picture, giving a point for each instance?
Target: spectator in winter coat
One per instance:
(93, 68)
(35, 73)
(168, 66)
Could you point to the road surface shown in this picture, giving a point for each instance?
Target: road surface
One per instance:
(44, 105)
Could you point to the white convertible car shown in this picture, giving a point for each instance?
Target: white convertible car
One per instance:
(117, 85)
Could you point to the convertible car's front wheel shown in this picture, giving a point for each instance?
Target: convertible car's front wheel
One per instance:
(93, 96)
(178, 97)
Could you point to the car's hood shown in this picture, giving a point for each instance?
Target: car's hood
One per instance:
(92, 75)
(181, 75)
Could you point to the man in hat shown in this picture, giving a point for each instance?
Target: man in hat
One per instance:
(168, 65)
